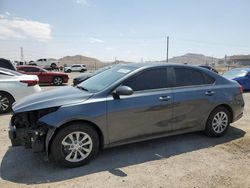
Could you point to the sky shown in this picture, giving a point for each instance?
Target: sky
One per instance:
(131, 30)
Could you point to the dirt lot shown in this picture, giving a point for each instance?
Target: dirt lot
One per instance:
(190, 160)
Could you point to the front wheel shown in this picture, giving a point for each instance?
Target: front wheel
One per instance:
(218, 122)
(75, 145)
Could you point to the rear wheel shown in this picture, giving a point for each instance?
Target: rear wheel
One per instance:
(53, 66)
(57, 81)
(6, 101)
(218, 122)
(75, 145)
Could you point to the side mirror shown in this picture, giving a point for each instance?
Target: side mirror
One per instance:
(122, 90)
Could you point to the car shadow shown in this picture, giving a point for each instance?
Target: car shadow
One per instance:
(246, 91)
(22, 166)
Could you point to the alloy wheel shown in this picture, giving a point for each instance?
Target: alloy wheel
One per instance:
(76, 146)
(57, 81)
(4, 103)
(220, 122)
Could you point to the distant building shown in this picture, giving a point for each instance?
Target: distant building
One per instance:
(243, 60)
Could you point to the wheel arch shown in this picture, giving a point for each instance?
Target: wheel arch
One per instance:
(1, 91)
(228, 108)
(97, 129)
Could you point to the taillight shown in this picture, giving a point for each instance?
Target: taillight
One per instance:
(30, 82)
(241, 89)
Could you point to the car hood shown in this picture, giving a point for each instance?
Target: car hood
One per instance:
(52, 98)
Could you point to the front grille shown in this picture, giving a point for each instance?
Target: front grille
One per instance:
(20, 120)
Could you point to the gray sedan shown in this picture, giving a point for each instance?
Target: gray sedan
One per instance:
(125, 104)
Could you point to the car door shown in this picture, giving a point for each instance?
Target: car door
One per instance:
(36, 71)
(194, 94)
(146, 112)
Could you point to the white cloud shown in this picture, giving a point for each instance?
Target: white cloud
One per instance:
(20, 28)
(109, 48)
(82, 2)
(7, 13)
(95, 40)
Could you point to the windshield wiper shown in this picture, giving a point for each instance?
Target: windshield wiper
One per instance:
(82, 88)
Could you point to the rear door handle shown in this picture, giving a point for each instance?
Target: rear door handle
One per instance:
(164, 98)
(209, 93)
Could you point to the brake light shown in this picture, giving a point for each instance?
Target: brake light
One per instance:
(30, 82)
(241, 89)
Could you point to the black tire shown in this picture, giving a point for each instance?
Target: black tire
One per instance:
(59, 153)
(68, 71)
(6, 101)
(58, 81)
(214, 130)
(82, 70)
(53, 66)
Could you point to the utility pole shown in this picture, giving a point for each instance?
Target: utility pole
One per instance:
(167, 48)
(21, 52)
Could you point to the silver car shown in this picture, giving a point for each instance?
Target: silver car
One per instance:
(125, 104)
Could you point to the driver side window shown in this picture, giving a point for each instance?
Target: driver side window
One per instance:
(148, 80)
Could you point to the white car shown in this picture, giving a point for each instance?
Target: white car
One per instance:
(76, 68)
(14, 86)
(46, 63)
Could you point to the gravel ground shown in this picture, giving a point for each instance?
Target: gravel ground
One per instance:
(190, 160)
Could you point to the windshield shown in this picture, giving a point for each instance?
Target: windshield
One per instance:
(104, 79)
(235, 73)
(102, 69)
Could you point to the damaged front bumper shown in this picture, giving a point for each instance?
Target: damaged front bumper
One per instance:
(26, 130)
(29, 138)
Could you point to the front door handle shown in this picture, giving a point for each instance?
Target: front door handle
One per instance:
(164, 98)
(209, 93)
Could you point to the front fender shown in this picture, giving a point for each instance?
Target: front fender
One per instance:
(92, 111)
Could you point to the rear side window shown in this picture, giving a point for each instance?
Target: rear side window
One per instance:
(31, 69)
(148, 80)
(188, 77)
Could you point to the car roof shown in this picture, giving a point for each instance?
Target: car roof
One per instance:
(156, 64)
(28, 66)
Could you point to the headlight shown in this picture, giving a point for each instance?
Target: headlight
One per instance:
(29, 119)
